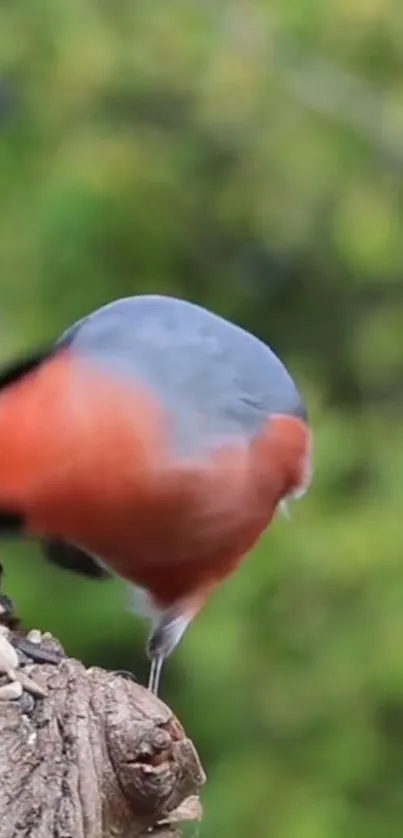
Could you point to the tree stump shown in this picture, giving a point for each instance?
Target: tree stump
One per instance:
(86, 753)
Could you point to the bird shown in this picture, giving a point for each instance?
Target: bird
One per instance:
(155, 441)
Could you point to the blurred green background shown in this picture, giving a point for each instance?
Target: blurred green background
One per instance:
(248, 156)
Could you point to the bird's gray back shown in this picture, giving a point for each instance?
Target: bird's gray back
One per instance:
(215, 379)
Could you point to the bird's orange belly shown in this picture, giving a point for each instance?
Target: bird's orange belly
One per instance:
(177, 531)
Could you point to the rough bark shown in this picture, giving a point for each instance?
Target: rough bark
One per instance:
(97, 757)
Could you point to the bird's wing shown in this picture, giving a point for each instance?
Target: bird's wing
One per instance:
(69, 557)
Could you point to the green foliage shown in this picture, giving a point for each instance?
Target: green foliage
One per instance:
(247, 155)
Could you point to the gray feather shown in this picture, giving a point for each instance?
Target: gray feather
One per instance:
(215, 379)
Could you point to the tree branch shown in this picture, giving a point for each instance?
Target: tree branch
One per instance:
(97, 756)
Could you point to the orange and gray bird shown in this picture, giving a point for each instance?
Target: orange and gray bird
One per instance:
(156, 441)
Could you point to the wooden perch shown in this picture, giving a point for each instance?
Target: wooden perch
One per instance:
(95, 756)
